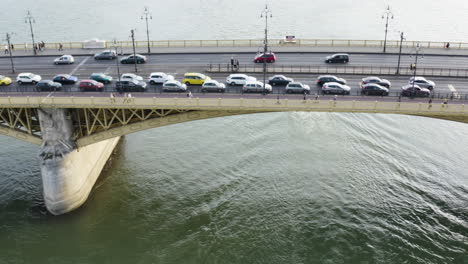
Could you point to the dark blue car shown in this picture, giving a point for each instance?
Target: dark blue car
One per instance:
(65, 79)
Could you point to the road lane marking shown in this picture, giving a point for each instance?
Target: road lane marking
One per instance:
(454, 92)
(79, 65)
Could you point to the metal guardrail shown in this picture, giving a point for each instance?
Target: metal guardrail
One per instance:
(255, 43)
(344, 69)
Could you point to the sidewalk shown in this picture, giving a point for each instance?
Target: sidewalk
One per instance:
(236, 50)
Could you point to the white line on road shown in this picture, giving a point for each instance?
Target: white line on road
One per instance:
(454, 91)
(79, 65)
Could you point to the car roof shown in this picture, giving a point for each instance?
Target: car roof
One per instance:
(88, 80)
(327, 76)
(238, 75)
(158, 73)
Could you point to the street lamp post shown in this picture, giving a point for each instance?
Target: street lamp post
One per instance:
(415, 66)
(388, 14)
(117, 59)
(147, 15)
(30, 19)
(399, 54)
(265, 13)
(11, 52)
(134, 51)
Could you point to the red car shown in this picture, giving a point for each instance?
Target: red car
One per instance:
(269, 57)
(91, 85)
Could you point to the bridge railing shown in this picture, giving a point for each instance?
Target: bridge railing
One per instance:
(237, 104)
(341, 69)
(253, 43)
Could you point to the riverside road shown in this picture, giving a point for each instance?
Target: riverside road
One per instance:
(178, 64)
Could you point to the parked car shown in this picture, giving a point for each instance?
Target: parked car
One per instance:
(213, 86)
(159, 77)
(335, 88)
(337, 58)
(131, 59)
(414, 90)
(329, 78)
(239, 79)
(91, 85)
(422, 82)
(279, 80)
(128, 76)
(268, 57)
(256, 87)
(174, 86)
(65, 79)
(48, 85)
(130, 85)
(5, 80)
(374, 89)
(27, 77)
(105, 55)
(297, 87)
(191, 78)
(101, 77)
(377, 80)
(64, 59)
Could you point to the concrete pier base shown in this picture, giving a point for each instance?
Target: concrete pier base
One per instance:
(68, 173)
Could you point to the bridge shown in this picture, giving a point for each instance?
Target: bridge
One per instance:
(77, 131)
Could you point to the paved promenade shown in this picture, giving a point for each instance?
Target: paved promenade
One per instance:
(236, 50)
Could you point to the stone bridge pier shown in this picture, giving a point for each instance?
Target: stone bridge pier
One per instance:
(68, 172)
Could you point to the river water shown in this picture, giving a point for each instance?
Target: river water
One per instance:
(261, 188)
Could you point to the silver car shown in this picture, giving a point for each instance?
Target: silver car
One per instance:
(256, 87)
(174, 86)
(297, 87)
(335, 88)
(64, 59)
(213, 86)
(422, 82)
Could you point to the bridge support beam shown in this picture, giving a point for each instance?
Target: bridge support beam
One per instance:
(68, 172)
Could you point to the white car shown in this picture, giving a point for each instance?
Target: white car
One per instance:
(335, 88)
(64, 59)
(422, 82)
(239, 79)
(213, 86)
(256, 87)
(159, 77)
(297, 87)
(130, 76)
(174, 86)
(27, 77)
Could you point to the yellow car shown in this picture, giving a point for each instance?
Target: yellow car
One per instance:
(5, 80)
(195, 78)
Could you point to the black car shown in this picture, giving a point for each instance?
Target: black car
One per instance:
(106, 55)
(65, 79)
(374, 89)
(337, 58)
(329, 78)
(130, 85)
(48, 85)
(414, 91)
(279, 80)
(131, 59)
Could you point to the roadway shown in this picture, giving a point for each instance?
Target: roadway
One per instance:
(178, 64)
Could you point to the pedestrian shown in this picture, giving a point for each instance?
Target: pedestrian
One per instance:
(12, 47)
(399, 98)
(43, 45)
(237, 64)
(335, 97)
(60, 46)
(232, 62)
(305, 98)
(6, 49)
(112, 97)
(445, 101)
(447, 45)
(190, 94)
(430, 103)
(316, 96)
